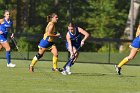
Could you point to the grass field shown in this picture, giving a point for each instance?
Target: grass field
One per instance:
(86, 78)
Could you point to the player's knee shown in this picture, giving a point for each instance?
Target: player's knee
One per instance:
(38, 56)
(56, 55)
(8, 49)
(130, 58)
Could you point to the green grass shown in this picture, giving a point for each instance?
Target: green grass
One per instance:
(86, 78)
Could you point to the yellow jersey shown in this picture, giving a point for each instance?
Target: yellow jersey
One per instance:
(49, 38)
(138, 31)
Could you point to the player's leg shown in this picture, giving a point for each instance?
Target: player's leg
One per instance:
(71, 62)
(6, 45)
(55, 58)
(0, 46)
(36, 58)
(76, 56)
(135, 46)
(132, 54)
(72, 57)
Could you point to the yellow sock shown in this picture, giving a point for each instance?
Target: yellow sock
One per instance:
(55, 59)
(124, 61)
(33, 61)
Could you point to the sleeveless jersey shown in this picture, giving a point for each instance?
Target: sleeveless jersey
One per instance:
(76, 37)
(4, 26)
(46, 37)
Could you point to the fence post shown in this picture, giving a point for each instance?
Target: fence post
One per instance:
(109, 52)
(28, 53)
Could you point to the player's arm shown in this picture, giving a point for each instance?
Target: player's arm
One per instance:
(50, 28)
(69, 44)
(1, 21)
(86, 35)
(138, 30)
(12, 30)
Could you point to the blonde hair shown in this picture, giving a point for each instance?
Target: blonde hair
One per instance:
(49, 17)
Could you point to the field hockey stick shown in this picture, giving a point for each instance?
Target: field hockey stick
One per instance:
(15, 43)
(70, 60)
(62, 38)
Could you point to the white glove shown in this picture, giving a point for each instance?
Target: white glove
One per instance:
(58, 34)
(82, 43)
(12, 36)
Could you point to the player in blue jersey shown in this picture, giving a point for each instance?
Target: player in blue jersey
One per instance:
(5, 25)
(135, 47)
(74, 42)
(47, 43)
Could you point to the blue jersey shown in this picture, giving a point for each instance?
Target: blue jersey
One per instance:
(75, 38)
(4, 27)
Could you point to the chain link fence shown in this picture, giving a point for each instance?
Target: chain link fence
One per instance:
(96, 50)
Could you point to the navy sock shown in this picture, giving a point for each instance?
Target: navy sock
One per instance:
(70, 63)
(8, 57)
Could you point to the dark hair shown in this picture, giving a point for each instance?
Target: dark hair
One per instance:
(71, 24)
(49, 17)
(5, 11)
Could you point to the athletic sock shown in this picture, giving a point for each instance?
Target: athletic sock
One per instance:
(8, 57)
(34, 61)
(55, 59)
(124, 61)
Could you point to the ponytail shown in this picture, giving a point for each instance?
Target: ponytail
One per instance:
(49, 17)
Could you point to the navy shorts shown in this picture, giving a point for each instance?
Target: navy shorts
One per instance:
(76, 45)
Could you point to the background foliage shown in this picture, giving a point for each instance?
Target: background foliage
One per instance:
(101, 18)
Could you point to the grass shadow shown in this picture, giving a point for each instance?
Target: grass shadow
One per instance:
(88, 74)
(127, 76)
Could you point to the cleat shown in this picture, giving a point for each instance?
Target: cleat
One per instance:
(60, 69)
(68, 70)
(11, 65)
(69, 73)
(64, 72)
(31, 69)
(57, 69)
(118, 69)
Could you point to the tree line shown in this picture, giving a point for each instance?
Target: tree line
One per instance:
(101, 18)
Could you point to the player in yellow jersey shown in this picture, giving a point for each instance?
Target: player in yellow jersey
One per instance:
(135, 47)
(47, 43)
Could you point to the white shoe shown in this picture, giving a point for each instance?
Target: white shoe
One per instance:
(64, 72)
(118, 70)
(11, 65)
(68, 70)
